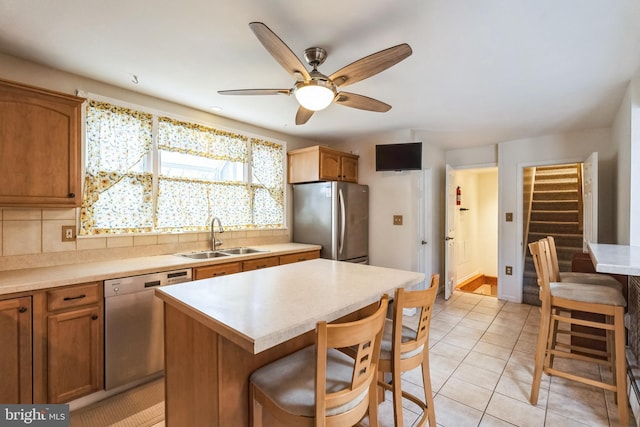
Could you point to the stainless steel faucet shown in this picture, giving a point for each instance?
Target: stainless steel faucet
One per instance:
(215, 243)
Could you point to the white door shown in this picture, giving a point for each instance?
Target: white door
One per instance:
(590, 200)
(450, 233)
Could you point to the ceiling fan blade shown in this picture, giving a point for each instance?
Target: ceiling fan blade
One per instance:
(280, 51)
(255, 92)
(361, 102)
(370, 65)
(303, 115)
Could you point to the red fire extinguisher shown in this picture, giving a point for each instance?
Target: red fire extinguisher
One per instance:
(458, 194)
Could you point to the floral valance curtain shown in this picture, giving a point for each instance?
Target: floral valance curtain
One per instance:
(117, 195)
(202, 141)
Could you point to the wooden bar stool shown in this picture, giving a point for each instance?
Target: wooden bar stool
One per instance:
(321, 385)
(404, 349)
(558, 300)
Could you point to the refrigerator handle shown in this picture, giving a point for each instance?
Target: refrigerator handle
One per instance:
(342, 220)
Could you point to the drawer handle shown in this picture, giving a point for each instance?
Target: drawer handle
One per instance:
(261, 266)
(72, 298)
(219, 274)
(22, 309)
(94, 317)
(72, 195)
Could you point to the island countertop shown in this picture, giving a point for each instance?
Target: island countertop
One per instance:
(260, 309)
(615, 259)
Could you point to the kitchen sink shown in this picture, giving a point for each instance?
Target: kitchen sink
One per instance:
(241, 251)
(204, 255)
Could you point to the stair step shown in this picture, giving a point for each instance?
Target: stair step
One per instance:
(556, 168)
(562, 239)
(556, 195)
(554, 186)
(559, 175)
(551, 227)
(549, 205)
(555, 215)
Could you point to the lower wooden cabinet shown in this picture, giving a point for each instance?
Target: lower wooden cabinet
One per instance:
(216, 270)
(299, 257)
(16, 385)
(257, 264)
(74, 354)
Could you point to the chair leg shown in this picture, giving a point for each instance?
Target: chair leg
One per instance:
(620, 366)
(397, 395)
(428, 392)
(255, 414)
(552, 340)
(373, 403)
(541, 346)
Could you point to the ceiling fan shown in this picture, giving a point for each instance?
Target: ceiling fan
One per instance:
(315, 91)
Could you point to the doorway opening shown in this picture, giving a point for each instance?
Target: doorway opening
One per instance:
(475, 215)
(552, 206)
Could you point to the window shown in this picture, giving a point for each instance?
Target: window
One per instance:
(201, 171)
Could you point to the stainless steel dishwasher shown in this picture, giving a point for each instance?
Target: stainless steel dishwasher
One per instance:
(134, 326)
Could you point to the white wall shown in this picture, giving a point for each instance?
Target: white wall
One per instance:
(400, 193)
(568, 147)
(621, 136)
(488, 222)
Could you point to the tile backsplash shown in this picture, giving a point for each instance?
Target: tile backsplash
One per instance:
(33, 238)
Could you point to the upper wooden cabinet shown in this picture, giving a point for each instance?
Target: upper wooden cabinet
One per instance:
(319, 163)
(39, 147)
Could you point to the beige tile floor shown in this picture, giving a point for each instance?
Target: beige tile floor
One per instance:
(481, 367)
(481, 355)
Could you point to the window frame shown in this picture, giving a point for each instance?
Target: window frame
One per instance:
(154, 161)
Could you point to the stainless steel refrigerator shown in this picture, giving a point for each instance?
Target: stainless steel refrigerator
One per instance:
(335, 215)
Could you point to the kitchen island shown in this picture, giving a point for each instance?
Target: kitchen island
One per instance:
(624, 259)
(218, 331)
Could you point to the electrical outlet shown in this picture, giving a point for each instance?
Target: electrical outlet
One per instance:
(68, 233)
(508, 270)
(397, 220)
(509, 216)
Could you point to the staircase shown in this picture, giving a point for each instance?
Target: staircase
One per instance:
(556, 210)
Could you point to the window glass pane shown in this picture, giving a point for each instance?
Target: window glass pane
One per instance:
(179, 165)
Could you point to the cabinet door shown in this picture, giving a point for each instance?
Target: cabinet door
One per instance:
(298, 257)
(39, 147)
(75, 354)
(15, 351)
(216, 270)
(329, 166)
(257, 264)
(349, 169)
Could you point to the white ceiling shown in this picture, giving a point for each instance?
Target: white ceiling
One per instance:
(482, 71)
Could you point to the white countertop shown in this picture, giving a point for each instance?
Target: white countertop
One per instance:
(261, 309)
(615, 259)
(61, 275)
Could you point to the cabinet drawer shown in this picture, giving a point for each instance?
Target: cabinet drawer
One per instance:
(74, 296)
(302, 256)
(256, 264)
(216, 270)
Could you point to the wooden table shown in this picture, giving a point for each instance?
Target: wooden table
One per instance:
(219, 330)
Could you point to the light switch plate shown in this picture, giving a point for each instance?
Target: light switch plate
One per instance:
(509, 216)
(397, 220)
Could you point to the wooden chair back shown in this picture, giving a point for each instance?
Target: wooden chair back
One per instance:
(554, 267)
(365, 335)
(423, 301)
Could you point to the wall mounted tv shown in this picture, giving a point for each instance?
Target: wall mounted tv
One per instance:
(399, 157)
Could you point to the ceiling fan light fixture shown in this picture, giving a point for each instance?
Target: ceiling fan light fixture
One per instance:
(315, 95)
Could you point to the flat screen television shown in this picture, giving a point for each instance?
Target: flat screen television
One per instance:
(399, 157)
